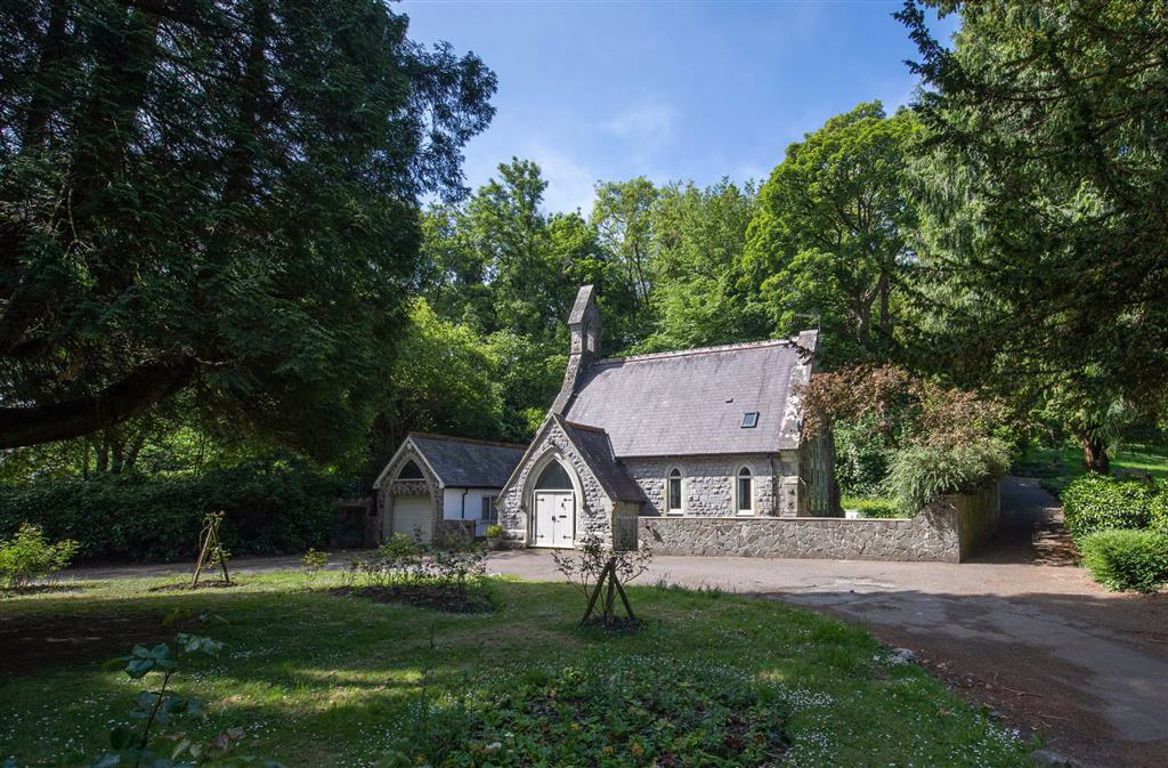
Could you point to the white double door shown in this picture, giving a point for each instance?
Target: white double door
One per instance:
(555, 519)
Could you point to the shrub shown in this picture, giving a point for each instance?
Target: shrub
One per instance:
(28, 556)
(862, 456)
(1158, 508)
(873, 508)
(270, 508)
(1127, 560)
(1094, 502)
(494, 531)
(922, 473)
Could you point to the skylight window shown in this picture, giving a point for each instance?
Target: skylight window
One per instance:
(750, 420)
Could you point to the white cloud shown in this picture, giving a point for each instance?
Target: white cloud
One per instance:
(643, 122)
(570, 184)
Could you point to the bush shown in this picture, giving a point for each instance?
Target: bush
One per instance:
(1158, 508)
(494, 531)
(270, 508)
(862, 456)
(922, 473)
(27, 556)
(873, 508)
(1095, 502)
(1126, 559)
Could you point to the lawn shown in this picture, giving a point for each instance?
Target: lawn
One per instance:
(316, 679)
(1057, 466)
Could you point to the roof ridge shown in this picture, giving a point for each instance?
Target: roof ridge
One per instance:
(698, 351)
(456, 439)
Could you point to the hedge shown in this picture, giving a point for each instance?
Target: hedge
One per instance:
(1095, 502)
(1127, 560)
(270, 508)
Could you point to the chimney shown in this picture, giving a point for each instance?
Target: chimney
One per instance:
(584, 326)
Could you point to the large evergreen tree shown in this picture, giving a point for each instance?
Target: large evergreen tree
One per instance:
(217, 196)
(1046, 244)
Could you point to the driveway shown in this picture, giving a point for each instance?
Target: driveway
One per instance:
(1020, 628)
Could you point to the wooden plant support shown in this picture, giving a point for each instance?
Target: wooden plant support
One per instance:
(609, 584)
(209, 547)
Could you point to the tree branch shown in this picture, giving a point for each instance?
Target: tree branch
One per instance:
(142, 388)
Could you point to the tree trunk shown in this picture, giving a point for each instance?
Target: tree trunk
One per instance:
(1095, 454)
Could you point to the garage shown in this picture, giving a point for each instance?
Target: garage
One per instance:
(413, 515)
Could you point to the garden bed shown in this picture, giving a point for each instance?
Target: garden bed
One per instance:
(439, 597)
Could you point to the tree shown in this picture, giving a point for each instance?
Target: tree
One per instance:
(829, 239)
(700, 290)
(218, 198)
(623, 218)
(1045, 248)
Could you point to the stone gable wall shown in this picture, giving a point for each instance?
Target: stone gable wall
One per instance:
(707, 484)
(593, 515)
(948, 530)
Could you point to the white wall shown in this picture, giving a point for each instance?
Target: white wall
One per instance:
(452, 509)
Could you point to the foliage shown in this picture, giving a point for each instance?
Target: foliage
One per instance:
(494, 531)
(223, 201)
(156, 709)
(1042, 269)
(412, 568)
(313, 562)
(1094, 503)
(1158, 508)
(1127, 560)
(873, 508)
(829, 243)
(28, 556)
(270, 507)
(863, 454)
(637, 711)
(921, 473)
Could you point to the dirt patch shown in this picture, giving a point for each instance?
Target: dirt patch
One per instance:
(439, 598)
(31, 644)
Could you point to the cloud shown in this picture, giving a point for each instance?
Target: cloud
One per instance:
(571, 185)
(643, 122)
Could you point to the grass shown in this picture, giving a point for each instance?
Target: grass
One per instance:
(1057, 466)
(315, 679)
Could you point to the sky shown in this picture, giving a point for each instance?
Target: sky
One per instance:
(606, 91)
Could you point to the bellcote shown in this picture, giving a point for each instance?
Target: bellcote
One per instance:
(584, 323)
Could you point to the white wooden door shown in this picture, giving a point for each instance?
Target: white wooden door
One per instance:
(555, 519)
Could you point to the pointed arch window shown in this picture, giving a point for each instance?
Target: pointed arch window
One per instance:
(673, 491)
(554, 478)
(745, 494)
(411, 471)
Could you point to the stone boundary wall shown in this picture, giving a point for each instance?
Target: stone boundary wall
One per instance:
(949, 530)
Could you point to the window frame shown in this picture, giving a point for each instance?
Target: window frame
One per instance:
(744, 473)
(675, 473)
(489, 501)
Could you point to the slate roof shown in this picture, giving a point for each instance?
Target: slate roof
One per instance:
(597, 452)
(692, 402)
(464, 463)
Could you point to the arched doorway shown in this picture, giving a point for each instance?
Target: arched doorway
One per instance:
(554, 503)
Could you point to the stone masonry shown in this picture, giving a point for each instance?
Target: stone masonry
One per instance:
(593, 515)
(948, 530)
(708, 483)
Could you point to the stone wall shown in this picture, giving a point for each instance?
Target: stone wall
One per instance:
(947, 531)
(708, 482)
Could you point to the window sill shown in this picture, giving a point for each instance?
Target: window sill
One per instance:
(675, 512)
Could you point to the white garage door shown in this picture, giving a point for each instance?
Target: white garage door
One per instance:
(412, 514)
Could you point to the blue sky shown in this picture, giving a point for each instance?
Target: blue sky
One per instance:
(670, 90)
